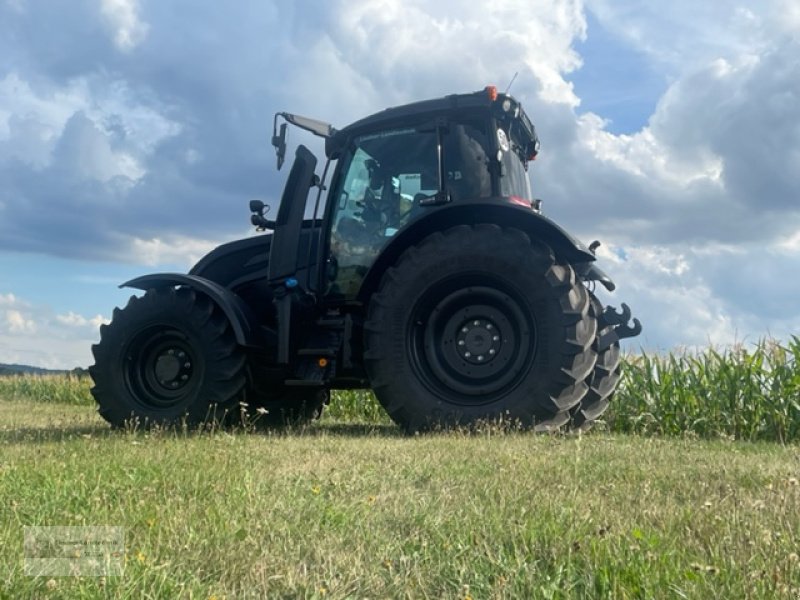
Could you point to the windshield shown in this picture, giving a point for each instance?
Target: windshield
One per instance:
(514, 181)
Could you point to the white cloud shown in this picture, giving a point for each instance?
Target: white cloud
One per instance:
(707, 294)
(17, 323)
(113, 127)
(123, 17)
(411, 50)
(645, 155)
(31, 122)
(785, 16)
(791, 243)
(85, 152)
(72, 319)
(689, 33)
(33, 334)
(177, 249)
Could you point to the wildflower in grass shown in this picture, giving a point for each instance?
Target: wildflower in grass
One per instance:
(316, 490)
(51, 584)
(140, 557)
(371, 499)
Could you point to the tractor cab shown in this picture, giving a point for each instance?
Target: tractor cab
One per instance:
(402, 164)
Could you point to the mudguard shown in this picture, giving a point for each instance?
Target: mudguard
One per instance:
(236, 263)
(498, 212)
(243, 322)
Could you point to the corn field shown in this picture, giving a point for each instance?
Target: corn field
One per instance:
(739, 392)
(751, 394)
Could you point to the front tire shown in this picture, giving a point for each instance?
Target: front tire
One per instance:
(168, 357)
(479, 323)
(602, 381)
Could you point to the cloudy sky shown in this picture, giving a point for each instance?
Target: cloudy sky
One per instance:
(133, 133)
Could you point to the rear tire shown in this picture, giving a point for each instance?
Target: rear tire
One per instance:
(479, 323)
(168, 357)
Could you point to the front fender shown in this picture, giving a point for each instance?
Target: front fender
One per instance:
(243, 322)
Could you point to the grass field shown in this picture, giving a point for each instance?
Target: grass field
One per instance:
(667, 499)
(357, 510)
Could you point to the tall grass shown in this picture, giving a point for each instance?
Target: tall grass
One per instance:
(356, 405)
(743, 393)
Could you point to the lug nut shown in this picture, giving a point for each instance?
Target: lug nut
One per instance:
(480, 357)
(492, 351)
(496, 338)
(186, 365)
(476, 323)
(464, 330)
(488, 326)
(467, 354)
(461, 342)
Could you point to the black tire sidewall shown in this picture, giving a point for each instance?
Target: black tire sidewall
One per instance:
(505, 260)
(206, 333)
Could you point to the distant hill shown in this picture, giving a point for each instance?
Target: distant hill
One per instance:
(28, 370)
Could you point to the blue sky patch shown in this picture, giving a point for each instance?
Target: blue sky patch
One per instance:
(616, 82)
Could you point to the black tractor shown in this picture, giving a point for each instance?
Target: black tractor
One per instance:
(427, 273)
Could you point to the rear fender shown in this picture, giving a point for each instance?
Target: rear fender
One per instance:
(243, 322)
(538, 227)
(236, 263)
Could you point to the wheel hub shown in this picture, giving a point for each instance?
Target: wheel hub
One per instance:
(478, 341)
(472, 342)
(173, 368)
(161, 369)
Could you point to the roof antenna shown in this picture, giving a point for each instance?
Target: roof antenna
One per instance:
(511, 82)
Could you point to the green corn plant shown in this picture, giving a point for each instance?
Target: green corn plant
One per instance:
(739, 392)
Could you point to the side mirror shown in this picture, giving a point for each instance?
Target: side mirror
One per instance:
(279, 141)
(257, 206)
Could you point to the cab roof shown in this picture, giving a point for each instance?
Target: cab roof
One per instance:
(481, 101)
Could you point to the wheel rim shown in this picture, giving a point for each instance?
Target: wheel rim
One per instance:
(472, 341)
(161, 368)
